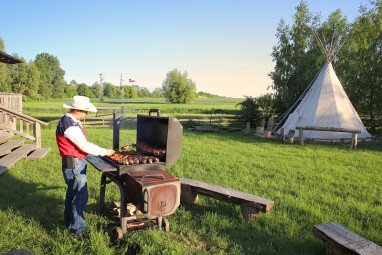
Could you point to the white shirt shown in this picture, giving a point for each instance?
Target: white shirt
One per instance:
(75, 134)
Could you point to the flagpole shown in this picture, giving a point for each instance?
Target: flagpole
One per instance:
(121, 84)
(101, 87)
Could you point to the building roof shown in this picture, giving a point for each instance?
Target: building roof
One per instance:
(8, 59)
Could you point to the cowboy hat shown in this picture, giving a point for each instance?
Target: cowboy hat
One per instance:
(80, 103)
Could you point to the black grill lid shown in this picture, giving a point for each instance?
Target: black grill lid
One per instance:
(162, 133)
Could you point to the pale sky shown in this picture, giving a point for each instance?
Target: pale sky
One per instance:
(224, 45)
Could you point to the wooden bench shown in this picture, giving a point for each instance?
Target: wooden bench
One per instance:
(354, 133)
(340, 240)
(250, 205)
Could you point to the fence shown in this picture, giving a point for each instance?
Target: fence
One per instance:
(12, 102)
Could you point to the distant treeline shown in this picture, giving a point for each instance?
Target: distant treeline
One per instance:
(43, 78)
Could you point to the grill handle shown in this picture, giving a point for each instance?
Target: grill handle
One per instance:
(152, 175)
(154, 110)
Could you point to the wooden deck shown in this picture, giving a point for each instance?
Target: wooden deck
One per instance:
(38, 154)
(20, 153)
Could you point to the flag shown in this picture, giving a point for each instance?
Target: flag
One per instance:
(131, 80)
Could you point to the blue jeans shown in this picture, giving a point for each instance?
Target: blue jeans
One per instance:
(76, 196)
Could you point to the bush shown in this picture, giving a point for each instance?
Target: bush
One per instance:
(178, 89)
(249, 111)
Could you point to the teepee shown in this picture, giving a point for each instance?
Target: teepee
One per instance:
(324, 104)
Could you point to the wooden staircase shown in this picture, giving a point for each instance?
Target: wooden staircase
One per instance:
(11, 151)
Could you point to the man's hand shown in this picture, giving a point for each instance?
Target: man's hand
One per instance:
(110, 152)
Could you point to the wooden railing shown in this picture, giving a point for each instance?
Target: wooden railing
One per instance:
(21, 124)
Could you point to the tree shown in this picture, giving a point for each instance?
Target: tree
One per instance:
(157, 93)
(84, 90)
(130, 92)
(265, 103)
(5, 78)
(70, 90)
(33, 81)
(2, 44)
(178, 88)
(294, 68)
(109, 90)
(144, 92)
(19, 77)
(361, 65)
(51, 76)
(96, 89)
(249, 111)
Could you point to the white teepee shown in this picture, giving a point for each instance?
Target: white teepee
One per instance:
(326, 105)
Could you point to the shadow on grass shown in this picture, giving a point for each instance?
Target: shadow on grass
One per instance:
(253, 237)
(28, 198)
(375, 145)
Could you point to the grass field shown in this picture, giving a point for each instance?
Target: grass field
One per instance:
(310, 185)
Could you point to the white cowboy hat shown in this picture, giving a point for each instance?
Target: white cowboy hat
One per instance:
(81, 103)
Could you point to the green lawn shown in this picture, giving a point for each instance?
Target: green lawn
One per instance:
(310, 185)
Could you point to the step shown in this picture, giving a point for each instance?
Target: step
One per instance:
(38, 154)
(5, 136)
(7, 147)
(10, 160)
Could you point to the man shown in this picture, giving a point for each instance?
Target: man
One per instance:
(74, 147)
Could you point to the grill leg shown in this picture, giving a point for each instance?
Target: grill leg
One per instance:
(159, 222)
(121, 186)
(102, 193)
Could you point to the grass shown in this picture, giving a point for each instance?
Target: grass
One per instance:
(199, 110)
(310, 185)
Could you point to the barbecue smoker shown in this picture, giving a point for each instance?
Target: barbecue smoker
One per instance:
(152, 190)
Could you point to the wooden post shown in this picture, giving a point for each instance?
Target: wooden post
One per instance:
(27, 127)
(116, 123)
(6, 124)
(354, 140)
(37, 134)
(21, 125)
(301, 134)
(248, 128)
(282, 134)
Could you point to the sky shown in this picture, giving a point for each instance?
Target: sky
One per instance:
(224, 45)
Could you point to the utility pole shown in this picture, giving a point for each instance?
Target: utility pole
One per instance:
(121, 84)
(101, 87)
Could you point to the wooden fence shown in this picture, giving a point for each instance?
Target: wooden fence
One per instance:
(12, 102)
(24, 125)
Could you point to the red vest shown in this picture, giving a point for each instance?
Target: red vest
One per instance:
(65, 146)
(68, 148)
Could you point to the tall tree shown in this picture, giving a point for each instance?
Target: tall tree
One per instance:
(84, 90)
(96, 89)
(33, 80)
(19, 77)
(109, 90)
(5, 78)
(2, 44)
(51, 76)
(129, 92)
(361, 64)
(293, 70)
(178, 88)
